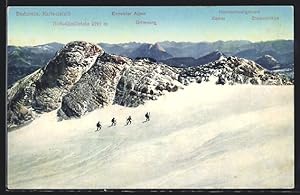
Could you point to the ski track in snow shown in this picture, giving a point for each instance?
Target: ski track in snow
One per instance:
(204, 136)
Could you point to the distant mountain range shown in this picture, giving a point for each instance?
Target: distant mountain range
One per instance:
(282, 50)
(25, 60)
(193, 54)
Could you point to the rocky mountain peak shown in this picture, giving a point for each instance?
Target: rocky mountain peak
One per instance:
(157, 46)
(154, 51)
(70, 63)
(43, 90)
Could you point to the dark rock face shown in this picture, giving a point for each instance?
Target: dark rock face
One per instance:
(82, 78)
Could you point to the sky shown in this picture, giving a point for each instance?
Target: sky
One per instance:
(40, 25)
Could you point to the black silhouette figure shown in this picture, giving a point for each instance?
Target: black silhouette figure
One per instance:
(99, 126)
(113, 122)
(147, 115)
(128, 120)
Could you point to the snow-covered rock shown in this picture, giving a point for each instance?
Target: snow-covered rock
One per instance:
(42, 91)
(145, 80)
(233, 70)
(118, 80)
(82, 78)
(96, 88)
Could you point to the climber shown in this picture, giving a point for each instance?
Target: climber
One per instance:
(147, 115)
(98, 126)
(113, 122)
(128, 120)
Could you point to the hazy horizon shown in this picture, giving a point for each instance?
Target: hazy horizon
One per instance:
(122, 24)
(45, 43)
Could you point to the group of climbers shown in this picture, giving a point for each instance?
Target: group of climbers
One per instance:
(128, 121)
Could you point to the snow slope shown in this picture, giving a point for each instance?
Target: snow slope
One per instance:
(205, 136)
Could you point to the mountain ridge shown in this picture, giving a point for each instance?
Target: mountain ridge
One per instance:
(82, 77)
(28, 59)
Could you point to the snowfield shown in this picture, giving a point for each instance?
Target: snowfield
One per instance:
(205, 136)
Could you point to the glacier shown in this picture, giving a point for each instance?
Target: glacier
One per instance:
(202, 137)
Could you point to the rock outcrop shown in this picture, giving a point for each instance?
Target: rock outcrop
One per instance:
(42, 91)
(233, 70)
(145, 80)
(96, 88)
